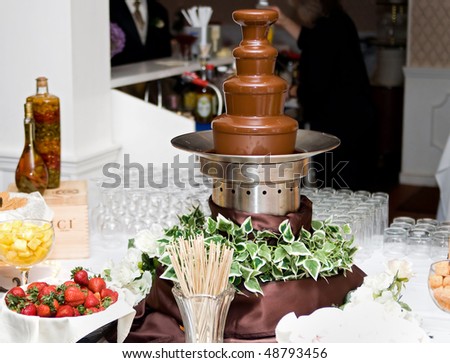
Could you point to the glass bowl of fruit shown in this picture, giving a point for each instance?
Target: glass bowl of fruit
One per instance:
(439, 284)
(25, 243)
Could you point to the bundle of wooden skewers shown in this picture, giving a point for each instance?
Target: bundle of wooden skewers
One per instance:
(204, 292)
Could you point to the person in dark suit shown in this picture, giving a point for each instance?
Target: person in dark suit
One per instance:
(151, 41)
(334, 91)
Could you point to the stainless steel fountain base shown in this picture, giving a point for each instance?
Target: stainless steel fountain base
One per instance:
(268, 184)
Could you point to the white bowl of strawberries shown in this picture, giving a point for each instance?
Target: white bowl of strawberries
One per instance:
(64, 312)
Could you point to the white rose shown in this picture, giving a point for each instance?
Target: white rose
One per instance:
(124, 273)
(401, 267)
(378, 282)
(361, 294)
(146, 241)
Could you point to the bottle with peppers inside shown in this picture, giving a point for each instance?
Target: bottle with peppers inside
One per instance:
(46, 113)
(31, 172)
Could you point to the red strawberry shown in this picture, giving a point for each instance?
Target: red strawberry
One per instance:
(65, 311)
(44, 311)
(29, 309)
(76, 312)
(14, 297)
(114, 295)
(16, 291)
(91, 311)
(91, 301)
(96, 284)
(48, 306)
(38, 284)
(47, 290)
(70, 283)
(80, 276)
(74, 296)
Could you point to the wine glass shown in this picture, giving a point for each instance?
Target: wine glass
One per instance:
(25, 243)
(437, 280)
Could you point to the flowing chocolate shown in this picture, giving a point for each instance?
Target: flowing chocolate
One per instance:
(254, 122)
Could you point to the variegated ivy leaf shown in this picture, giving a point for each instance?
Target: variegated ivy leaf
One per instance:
(317, 225)
(224, 224)
(283, 226)
(288, 249)
(215, 239)
(258, 263)
(321, 256)
(346, 229)
(277, 273)
(312, 266)
(305, 234)
(165, 259)
(300, 249)
(234, 270)
(240, 247)
(280, 253)
(283, 265)
(252, 249)
(252, 285)
(211, 226)
(241, 257)
(264, 252)
(265, 235)
(318, 235)
(169, 274)
(286, 231)
(247, 225)
(247, 272)
(328, 247)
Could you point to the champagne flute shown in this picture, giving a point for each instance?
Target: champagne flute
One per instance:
(25, 243)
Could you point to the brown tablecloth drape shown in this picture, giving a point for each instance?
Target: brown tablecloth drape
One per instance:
(251, 317)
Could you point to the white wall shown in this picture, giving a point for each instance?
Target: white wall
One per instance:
(426, 123)
(68, 42)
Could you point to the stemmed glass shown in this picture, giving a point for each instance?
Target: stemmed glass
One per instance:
(25, 243)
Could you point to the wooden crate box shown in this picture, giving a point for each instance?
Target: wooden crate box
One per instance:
(69, 203)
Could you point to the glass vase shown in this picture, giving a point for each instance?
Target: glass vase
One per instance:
(204, 316)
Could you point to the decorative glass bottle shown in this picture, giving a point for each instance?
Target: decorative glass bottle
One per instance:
(204, 105)
(31, 172)
(46, 113)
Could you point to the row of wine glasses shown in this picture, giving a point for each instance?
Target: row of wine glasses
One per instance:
(126, 209)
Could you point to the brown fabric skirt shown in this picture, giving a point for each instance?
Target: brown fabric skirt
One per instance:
(251, 318)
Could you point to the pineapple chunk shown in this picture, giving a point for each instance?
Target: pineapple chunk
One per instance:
(11, 255)
(34, 243)
(20, 245)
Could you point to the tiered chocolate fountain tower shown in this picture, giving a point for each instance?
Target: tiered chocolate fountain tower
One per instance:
(257, 157)
(255, 153)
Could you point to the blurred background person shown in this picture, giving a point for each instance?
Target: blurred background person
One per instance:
(334, 91)
(146, 29)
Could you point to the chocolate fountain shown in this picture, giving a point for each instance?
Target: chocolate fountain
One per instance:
(256, 156)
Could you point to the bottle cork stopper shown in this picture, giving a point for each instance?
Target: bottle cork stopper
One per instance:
(41, 81)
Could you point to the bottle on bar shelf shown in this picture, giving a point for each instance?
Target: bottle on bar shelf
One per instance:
(204, 106)
(31, 171)
(46, 112)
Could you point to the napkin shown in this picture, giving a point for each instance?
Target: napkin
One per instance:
(35, 208)
(17, 328)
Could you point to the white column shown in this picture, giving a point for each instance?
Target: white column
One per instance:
(68, 42)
